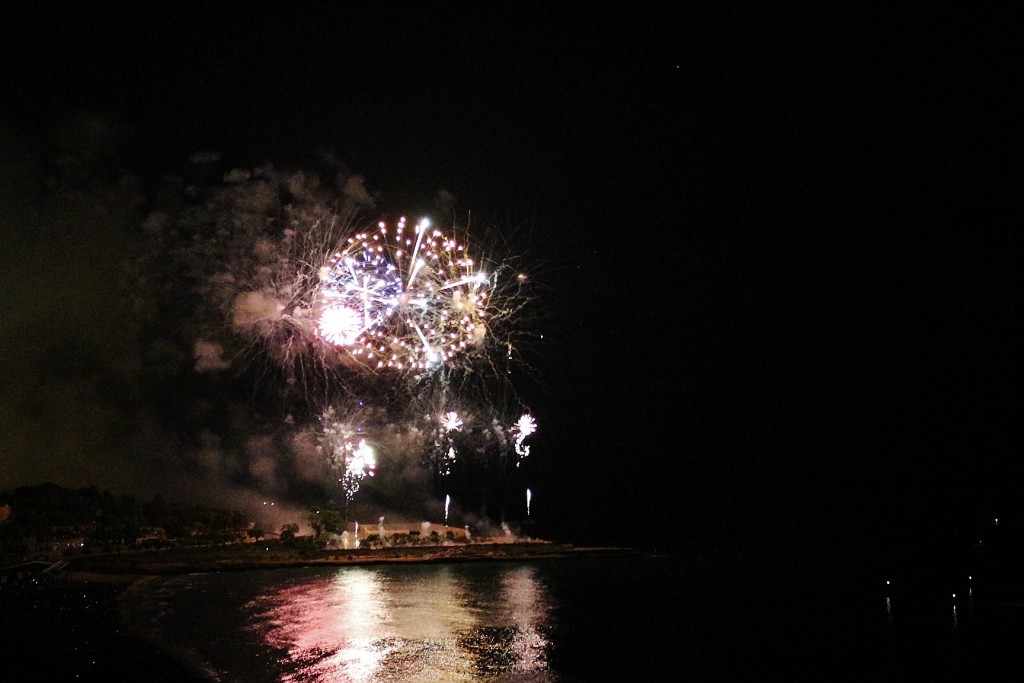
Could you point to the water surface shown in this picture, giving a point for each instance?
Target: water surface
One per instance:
(577, 619)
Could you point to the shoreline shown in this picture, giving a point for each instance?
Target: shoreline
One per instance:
(124, 568)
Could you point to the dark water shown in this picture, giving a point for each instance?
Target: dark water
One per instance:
(599, 618)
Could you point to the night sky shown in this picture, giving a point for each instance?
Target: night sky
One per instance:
(777, 246)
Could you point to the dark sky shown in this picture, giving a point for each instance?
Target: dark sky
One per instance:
(778, 243)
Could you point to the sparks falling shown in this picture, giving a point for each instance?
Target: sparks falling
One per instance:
(348, 454)
(360, 463)
(523, 428)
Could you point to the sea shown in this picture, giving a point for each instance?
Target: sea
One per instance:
(644, 617)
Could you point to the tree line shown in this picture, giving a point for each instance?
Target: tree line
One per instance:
(49, 510)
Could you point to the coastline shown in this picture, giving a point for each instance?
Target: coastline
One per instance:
(115, 567)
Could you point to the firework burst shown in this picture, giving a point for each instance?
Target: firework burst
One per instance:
(405, 299)
(282, 281)
(346, 451)
(524, 427)
(360, 462)
(450, 422)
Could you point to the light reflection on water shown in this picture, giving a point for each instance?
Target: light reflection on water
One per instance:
(584, 619)
(436, 623)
